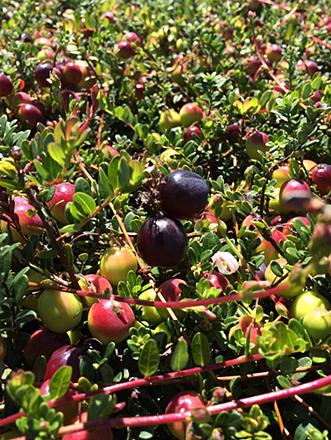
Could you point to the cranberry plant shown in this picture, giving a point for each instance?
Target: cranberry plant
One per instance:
(165, 246)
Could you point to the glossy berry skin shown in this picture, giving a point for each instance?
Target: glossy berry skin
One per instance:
(65, 355)
(110, 320)
(190, 113)
(132, 37)
(42, 73)
(21, 98)
(98, 285)
(43, 342)
(317, 322)
(116, 263)
(63, 194)
(321, 177)
(182, 402)
(59, 311)
(30, 114)
(281, 175)
(192, 133)
(125, 50)
(255, 141)
(270, 253)
(274, 53)
(162, 242)
(168, 119)
(306, 302)
(183, 194)
(72, 74)
(6, 86)
(294, 194)
(28, 219)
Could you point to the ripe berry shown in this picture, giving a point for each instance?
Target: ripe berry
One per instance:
(294, 194)
(321, 177)
(255, 141)
(30, 114)
(183, 194)
(274, 52)
(6, 86)
(63, 194)
(132, 37)
(72, 74)
(110, 320)
(125, 50)
(42, 74)
(182, 402)
(192, 133)
(162, 242)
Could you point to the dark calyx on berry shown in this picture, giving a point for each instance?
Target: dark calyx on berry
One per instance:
(183, 194)
(162, 242)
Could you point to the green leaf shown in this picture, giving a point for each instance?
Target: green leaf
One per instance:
(124, 114)
(101, 407)
(20, 284)
(149, 358)
(82, 185)
(105, 189)
(60, 382)
(57, 153)
(179, 359)
(124, 174)
(84, 203)
(200, 349)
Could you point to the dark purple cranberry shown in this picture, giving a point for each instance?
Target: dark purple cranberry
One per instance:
(125, 50)
(162, 242)
(72, 74)
(30, 114)
(252, 65)
(183, 194)
(233, 132)
(6, 86)
(42, 74)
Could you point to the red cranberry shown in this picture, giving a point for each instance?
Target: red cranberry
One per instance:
(30, 114)
(72, 74)
(125, 50)
(132, 37)
(191, 133)
(321, 177)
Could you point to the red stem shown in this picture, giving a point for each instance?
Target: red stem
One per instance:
(321, 42)
(152, 380)
(189, 303)
(260, 399)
